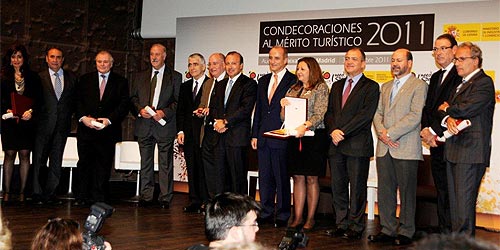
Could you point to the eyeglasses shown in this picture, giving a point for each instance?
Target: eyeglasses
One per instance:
(442, 49)
(461, 59)
(255, 224)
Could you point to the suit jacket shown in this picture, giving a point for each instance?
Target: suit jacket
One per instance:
(113, 105)
(55, 115)
(238, 109)
(355, 118)
(474, 101)
(437, 94)
(169, 96)
(267, 115)
(187, 122)
(401, 118)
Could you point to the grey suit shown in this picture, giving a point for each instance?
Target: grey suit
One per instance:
(54, 119)
(150, 132)
(468, 153)
(397, 167)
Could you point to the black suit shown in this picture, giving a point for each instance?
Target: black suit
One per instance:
(151, 133)
(54, 126)
(468, 153)
(190, 125)
(350, 159)
(232, 147)
(96, 148)
(273, 176)
(436, 95)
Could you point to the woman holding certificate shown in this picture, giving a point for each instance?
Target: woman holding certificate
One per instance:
(19, 88)
(307, 154)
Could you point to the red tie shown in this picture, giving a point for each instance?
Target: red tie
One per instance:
(347, 91)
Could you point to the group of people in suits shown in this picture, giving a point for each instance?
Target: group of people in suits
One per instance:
(211, 118)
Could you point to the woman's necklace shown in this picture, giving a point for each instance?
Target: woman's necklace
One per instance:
(19, 85)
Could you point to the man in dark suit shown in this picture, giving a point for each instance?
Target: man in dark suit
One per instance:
(442, 84)
(188, 131)
(274, 181)
(351, 106)
(57, 105)
(468, 154)
(232, 111)
(214, 178)
(102, 104)
(158, 89)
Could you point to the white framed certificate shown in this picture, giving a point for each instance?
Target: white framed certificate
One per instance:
(295, 115)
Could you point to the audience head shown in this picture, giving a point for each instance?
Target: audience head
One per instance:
(231, 218)
(308, 73)
(157, 55)
(444, 49)
(453, 242)
(16, 57)
(401, 63)
(58, 234)
(5, 235)
(54, 59)
(196, 65)
(468, 58)
(278, 59)
(216, 64)
(234, 63)
(104, 61)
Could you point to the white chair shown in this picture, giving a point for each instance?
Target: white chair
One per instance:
(127, 157)
(70, 160)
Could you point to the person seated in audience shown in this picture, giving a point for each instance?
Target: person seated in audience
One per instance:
(5, 235)
(453, 242)
(60, 234)
(230, 219)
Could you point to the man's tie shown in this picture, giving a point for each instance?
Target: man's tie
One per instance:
(153, 87)
(273, 88)
(395, 89)
(460, 85)
(228, 91)
(441, 74)
(58, 86)
(102, 87)
(346, 93)
(195, 90)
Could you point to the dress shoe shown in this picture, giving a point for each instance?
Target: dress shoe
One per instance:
(308, 226)
(402, 240)
(380, 237)
(192, 208)
(164, 204)
(337, 232)
(280, 223)
(352, 235)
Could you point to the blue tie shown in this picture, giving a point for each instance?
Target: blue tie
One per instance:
(58, 86)
(228, 91)
(395, 90)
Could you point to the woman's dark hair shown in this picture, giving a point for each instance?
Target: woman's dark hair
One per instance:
(7, 68)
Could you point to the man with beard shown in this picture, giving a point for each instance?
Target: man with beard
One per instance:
(399, 148)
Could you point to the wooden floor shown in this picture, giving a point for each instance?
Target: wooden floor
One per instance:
(133, 228)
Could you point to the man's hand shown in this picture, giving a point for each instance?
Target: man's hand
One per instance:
(180, 138)
(451, 124)
(104, 121)
(159, 115)
(87, 121)
(337, 136)
(384, 138)
(443, 106)
(428, 137)
(220, 126)
(198, 112)
(144, 114)
(253, 142)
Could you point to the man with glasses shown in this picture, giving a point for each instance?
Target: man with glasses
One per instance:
(441, 85)
(230, 218)
(468, 153)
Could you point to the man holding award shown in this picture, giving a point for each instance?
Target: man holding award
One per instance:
(468, 152)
